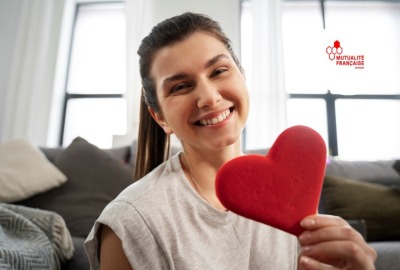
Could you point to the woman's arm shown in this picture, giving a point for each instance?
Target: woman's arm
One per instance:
(112, 255)
(329, 242)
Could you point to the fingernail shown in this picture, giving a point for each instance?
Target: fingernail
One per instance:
(307, 222)
(305, 250)
(305, 260)
(304, 236)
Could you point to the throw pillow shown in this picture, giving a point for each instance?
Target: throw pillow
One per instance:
(25, 171)
(95, 178)
(396, 166)
(378, 205)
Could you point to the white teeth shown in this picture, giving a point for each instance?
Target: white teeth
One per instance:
(215, 120)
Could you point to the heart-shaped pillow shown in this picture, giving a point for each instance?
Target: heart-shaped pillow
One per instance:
(281, 188)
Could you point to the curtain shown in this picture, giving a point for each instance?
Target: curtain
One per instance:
(266, 83)
(138, 22)
(29, 88)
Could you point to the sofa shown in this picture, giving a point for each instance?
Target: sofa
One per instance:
(80, 180)
(367, 192)
(95, 176)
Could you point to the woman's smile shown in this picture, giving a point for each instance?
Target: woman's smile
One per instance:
(216, 118)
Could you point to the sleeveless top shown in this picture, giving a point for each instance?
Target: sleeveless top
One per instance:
(164, 224)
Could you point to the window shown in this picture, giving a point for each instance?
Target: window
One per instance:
(95, 106)
(355, 106)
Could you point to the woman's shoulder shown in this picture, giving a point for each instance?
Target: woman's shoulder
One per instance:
(141, 201)
(158, 181)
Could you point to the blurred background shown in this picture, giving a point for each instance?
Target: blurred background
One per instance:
(69, 68)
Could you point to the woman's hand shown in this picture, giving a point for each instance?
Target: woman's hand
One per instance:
(329, 242)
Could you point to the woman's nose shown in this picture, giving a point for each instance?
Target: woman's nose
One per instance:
(208, 95)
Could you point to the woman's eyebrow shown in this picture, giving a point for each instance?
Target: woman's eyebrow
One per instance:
(215, 59)
(176, 77)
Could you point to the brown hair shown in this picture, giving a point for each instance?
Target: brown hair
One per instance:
(153, 144)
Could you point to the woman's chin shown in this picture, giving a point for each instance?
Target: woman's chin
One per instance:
(220, 143)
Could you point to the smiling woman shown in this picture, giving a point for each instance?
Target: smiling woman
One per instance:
(171, 218)
(205, 84)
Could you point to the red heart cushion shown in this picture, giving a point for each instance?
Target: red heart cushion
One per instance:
(281, 188)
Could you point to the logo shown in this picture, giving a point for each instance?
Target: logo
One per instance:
(336, 53)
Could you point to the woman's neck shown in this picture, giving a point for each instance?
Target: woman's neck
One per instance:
(212, 158)
(201, 167)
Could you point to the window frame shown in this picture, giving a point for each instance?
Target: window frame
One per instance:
(69, 96)
(330, 98)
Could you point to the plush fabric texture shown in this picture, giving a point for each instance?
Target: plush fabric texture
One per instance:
(378, 205)
(25, 171)
(281, 188)
(32, 238)
(95, 178)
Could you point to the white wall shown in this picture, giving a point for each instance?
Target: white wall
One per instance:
(227, 12)
(34, 114)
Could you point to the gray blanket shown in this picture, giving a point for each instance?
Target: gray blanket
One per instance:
(32, 238)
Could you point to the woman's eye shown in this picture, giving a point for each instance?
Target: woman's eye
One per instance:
(179, 87)
(218, 71)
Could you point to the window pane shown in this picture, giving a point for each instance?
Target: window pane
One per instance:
(371, 29)
(368, 129)
(257, 126)
(304, 53)
(98, 50)
(96, 120)
(308, 112)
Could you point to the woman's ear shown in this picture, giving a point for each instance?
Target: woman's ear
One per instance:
(157, 116)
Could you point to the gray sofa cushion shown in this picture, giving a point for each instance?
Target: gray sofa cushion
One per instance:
(52, 154)
(396, 166)
(94, 179)
(79, 261)
(388, 255)
(380, 171)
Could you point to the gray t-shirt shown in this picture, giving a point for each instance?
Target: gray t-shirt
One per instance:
(164, 224)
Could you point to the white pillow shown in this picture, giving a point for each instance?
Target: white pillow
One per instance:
(25, 171)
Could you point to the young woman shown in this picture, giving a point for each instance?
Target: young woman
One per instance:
(194, 87)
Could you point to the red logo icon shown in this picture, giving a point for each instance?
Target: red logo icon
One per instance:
(351, 60)
(332, 51)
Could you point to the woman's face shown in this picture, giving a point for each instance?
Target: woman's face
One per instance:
(201, 92)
